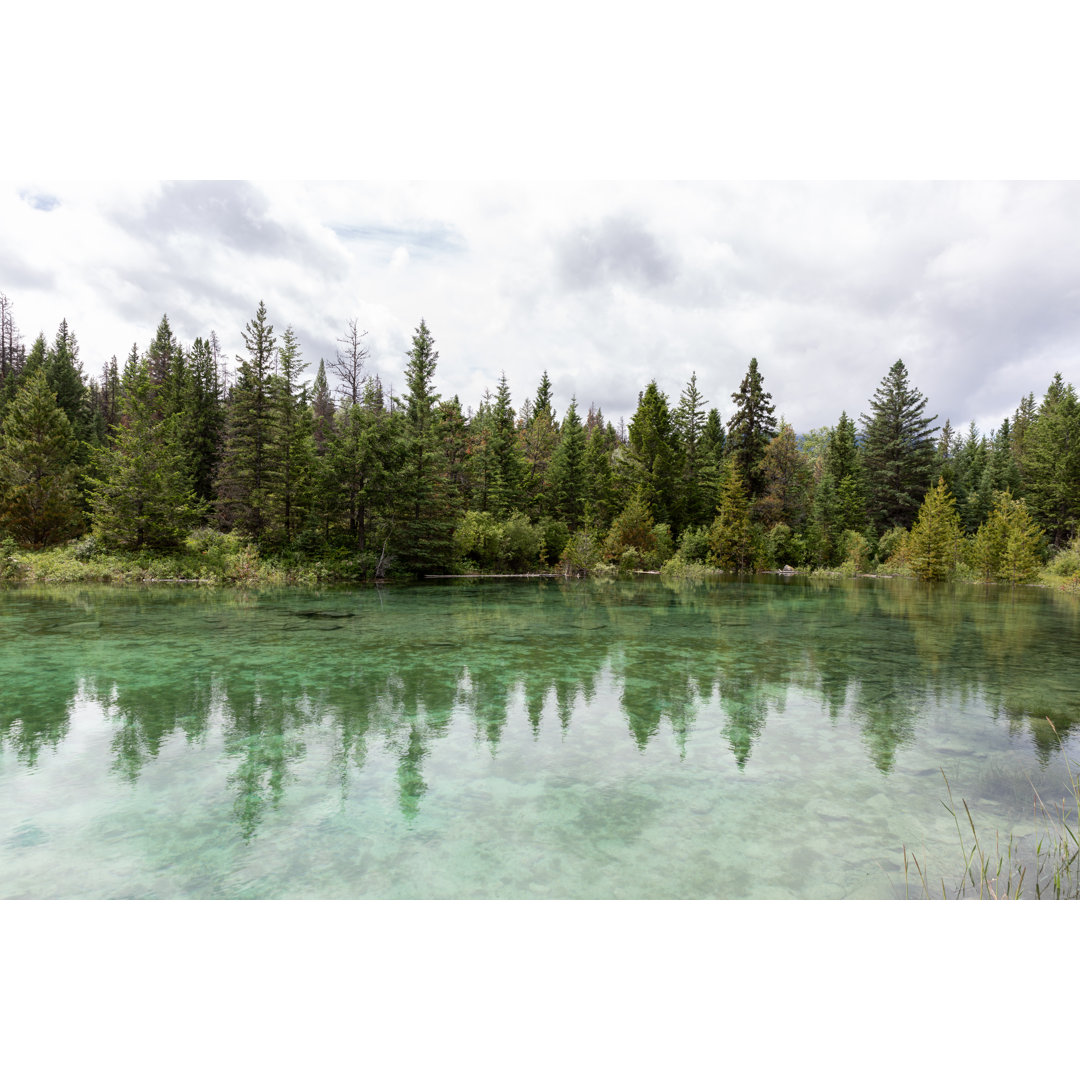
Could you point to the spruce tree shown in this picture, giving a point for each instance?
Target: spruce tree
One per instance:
(694, 484)
(39, 496)
(246, 474)
(934, 543)
(734, 544)
(424, 529)
(143, 495)
(898, 451)
(540, 435)
(568, 469)
(750, 428)
(1053, 462)
(654, 459)
(291, 445)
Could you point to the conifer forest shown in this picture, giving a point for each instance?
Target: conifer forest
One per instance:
(173, 449)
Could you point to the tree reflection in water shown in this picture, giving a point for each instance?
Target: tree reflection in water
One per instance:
(268, 675)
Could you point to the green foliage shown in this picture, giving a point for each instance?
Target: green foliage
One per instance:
(247, 472)
(856, 551)
(783, 547)
(1053, 461)
(513, 544)
(898, 452)
(1065, 565)
(892, 545)
(581, 554)
(655, 459)
(568, 465)
(750, 429)
(633, 528)
(1006, 548)
(143, 496)
(935, 537)
(39, 498)
(694, 545)
(679, 569)
(10, 567)
(734, 543)
(785, 473)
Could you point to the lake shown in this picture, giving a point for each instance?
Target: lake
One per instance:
(744, 738)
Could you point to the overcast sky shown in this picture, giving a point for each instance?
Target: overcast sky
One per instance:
(606, 285)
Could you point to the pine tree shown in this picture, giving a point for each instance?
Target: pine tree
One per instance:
(247, 467)
(510, 463)
(65, 377)
(203, 418)
(540, 435)
(898, 451)
(750, 428)
(786, 474)
(733, 541)
(39, 496)
(695, 486)
(291, 444)
(654, 459)
(600, 495)
(425, 529)
(144, 496)
(163, 352)
(1053, 462)
(934, 544)
(1006, 547)
(568, 469)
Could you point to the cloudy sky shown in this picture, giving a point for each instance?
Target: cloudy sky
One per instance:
(605, 284)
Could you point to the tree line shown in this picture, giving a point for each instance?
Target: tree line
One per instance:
(168, 443)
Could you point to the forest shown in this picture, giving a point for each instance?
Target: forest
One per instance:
(174, 451)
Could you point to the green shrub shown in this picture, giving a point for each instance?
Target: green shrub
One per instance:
(522, 542)
(694, 545)
(580, 555)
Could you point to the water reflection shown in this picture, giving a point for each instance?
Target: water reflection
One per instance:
(266, 673)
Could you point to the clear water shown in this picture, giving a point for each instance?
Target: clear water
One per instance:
(738, 739)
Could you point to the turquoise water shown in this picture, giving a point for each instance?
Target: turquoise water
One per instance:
(751, 738)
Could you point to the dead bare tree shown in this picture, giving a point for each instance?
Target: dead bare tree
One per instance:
(348, 366)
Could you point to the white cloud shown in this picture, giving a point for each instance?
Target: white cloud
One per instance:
(605, 286)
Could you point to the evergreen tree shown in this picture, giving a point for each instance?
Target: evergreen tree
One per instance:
(934, 544)
(601, 499)
(510, 463)
(12, 354)
(654, 459)
(750, 428)
(568, 469)
(734, 543)
(696, 484)
(540, 435)
(425, 528)
(163, 352)
(39, 497)
(65, 377)
(246, 475)
(143, 496)
(898, 451)
(322, 406)
(363, 452)
(1023, 422)
(1006, 547)
(1053, 462)
(203, 418)
(786, 474)
(291, 447)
